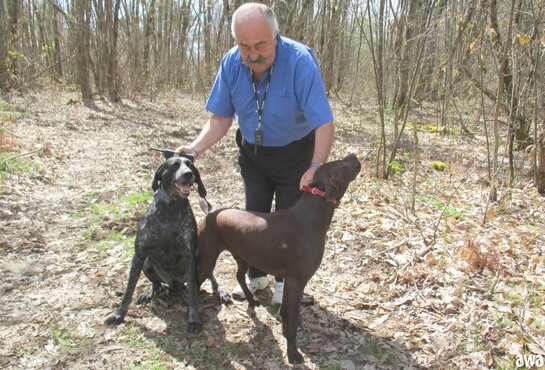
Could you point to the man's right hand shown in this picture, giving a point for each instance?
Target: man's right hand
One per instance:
(187, 150)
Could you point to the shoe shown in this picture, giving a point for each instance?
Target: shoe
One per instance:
(254, 284)
(278, 293)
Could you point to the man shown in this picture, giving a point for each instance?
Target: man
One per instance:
(274, 87)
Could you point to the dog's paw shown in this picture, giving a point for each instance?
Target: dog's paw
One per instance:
(253, 303)
(224, 297)
(145, 297)
(295, 357)
(116, 318)
(194, 327)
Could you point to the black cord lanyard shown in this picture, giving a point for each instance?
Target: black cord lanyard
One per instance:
(258, 136)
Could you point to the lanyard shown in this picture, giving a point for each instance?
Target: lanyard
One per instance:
(260, 108)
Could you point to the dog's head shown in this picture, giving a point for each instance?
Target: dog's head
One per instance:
(176, 177)
(335, 176)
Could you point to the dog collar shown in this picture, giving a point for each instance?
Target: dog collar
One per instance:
(318, 192)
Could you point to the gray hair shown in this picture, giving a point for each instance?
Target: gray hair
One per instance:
(263, 9)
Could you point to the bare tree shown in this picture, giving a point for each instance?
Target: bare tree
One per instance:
(82, 10)
(9, 19)
(113, 76)
(453, 53)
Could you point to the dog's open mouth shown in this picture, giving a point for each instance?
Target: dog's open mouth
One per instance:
(182, 189)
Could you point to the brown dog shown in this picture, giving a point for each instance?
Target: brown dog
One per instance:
(287, 243)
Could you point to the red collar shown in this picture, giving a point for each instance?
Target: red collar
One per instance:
(318, 192)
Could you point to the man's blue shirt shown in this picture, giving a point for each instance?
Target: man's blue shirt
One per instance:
(296, 101)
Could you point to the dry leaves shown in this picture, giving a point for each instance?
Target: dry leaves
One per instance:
(434, 288)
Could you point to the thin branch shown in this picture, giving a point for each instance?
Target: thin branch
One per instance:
(6, 160)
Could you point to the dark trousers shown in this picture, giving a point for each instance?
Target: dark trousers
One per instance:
(274, 173)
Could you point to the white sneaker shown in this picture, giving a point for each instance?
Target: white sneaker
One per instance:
(278, 293)
(254, 284)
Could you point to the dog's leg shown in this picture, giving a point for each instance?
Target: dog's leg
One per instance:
(208, 252)
(222, 294)
(136, 268)
(149, 294)
(293, 293)
(194, 322)
(242, 268)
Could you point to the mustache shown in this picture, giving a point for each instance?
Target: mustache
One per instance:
(259, 60)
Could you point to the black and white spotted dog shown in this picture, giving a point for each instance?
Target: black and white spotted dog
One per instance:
(165, 244)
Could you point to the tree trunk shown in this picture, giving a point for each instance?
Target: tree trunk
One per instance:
(57, 50)
(10, 27)
(4, 76)
(83, 13)
(149, 25)
(540, 173)
(113, 77)
(328, 59)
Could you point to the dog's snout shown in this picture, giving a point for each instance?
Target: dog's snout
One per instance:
(188, 175)
(354, 163)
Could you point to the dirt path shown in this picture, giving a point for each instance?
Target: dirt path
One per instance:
(371, 305)
(56, 289)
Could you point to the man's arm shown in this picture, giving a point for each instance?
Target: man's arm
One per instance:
(215, 129)
(322, 148)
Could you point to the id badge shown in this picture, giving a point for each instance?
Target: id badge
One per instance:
(258, 137)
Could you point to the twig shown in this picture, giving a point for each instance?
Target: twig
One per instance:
(407, 239)
(22, 155)
(10, 132)
(462, 182)
(529, 335)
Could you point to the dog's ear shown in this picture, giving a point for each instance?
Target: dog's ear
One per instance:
(331, 189)
(156, 182)
(200, 185)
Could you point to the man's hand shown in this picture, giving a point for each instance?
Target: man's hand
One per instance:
(307, 178)
(187, 150)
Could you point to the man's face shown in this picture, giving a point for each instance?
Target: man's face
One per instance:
(256, 43)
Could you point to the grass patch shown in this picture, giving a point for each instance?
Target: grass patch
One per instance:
(68, 339)
(8, 112)
(448, 210)
(154, 359)
(381, 352)
(334, 366)
(137, 198)
(232, 349)
(435, 129)
(11, 165)
(112, 224)
(10, 161)
(62, 337)
(116, 238)
(396, 167)
(201, 354)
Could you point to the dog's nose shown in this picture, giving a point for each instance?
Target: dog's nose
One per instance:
(188, 176)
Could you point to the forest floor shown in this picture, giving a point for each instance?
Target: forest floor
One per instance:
(457, 284)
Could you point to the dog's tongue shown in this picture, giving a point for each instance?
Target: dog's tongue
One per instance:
(182, 188)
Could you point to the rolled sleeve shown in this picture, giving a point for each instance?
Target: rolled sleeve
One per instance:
(220, 101)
